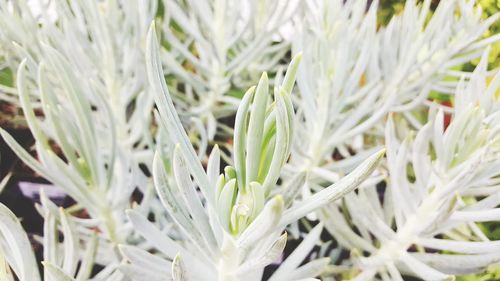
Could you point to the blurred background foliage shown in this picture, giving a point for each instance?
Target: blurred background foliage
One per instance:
(388, 8)
(11, 117)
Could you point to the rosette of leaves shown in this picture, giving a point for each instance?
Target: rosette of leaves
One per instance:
(441, 183)
(355, 73)
(76, 144)
(85, 77)
(232, 223)
(214, 49)
(102, 41)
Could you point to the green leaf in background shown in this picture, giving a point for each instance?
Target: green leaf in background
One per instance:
(6, 77)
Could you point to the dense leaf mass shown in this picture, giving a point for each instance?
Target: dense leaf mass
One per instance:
(248, 140)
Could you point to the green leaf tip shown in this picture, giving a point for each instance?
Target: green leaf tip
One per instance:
(379, 154)
(152, 26)
(291, 74)
(178, 271)
(278, 204)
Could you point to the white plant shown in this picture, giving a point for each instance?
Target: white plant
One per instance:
(16, 255)
(354, 73)
(85, 71)
(236, 228)
(103, 41)
(88, 78)
(218, 46)
(441, 182)
(70, 260)
(92, 168)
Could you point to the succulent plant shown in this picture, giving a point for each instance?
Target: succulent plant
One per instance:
(235, 228)
(381, 165)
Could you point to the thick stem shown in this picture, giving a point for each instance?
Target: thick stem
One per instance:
(229, 260)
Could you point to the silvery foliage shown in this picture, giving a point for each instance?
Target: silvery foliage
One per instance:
(72, 259)
(236, 227)
(15, 249)
(85, 71)
(441, 181)
(214, 46)
(352, 76)
(354, 73)
(101, 41)
(94, 172)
